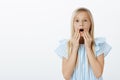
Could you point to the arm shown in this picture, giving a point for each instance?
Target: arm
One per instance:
(68, 65)
(97, 63)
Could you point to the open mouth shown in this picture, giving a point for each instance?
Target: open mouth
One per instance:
(81, 30)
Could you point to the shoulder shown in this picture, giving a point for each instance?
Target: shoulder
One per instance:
(61, 50)
(101, 46)
(99, 40)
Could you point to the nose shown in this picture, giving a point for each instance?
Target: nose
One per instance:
(81, 24)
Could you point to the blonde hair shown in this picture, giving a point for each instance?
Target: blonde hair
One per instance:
(91, 31)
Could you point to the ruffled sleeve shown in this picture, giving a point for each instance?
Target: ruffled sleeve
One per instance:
(61, 50)
(102, 47)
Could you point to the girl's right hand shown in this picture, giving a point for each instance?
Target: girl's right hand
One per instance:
(75, 40)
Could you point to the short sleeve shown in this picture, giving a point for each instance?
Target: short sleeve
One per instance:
(102, 47)
(61, 50)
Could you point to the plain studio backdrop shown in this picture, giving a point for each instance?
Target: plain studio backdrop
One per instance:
(30, 30)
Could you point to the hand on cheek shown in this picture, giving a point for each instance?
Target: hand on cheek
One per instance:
(75, 40)
(87, 39)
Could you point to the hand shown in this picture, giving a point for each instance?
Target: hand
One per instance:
(87, 39)
(75, 40)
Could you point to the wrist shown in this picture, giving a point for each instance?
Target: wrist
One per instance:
(88, 46)
(74, 50)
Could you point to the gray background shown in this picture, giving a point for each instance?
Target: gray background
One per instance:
(31, 29)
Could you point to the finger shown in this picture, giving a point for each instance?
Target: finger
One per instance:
(84, 33)
(78, 37)
(88, 35)
(90, 38)
(77, 32)
(84, 36)
(74, 35)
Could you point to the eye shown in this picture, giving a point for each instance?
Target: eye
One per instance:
(77, 20)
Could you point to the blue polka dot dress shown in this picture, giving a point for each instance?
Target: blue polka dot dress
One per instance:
(83, 71)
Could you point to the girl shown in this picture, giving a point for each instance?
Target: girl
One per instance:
(82, 55)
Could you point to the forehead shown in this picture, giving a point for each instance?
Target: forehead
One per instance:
(82, 14)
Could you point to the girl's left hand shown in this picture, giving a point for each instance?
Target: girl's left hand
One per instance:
(87, 39)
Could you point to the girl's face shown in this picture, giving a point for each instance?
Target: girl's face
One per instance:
(82, 21)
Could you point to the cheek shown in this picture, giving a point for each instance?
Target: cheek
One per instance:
(87, 27)
(75, 24)
(75, 27)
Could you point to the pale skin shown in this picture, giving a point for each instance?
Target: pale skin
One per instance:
(82, 20)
